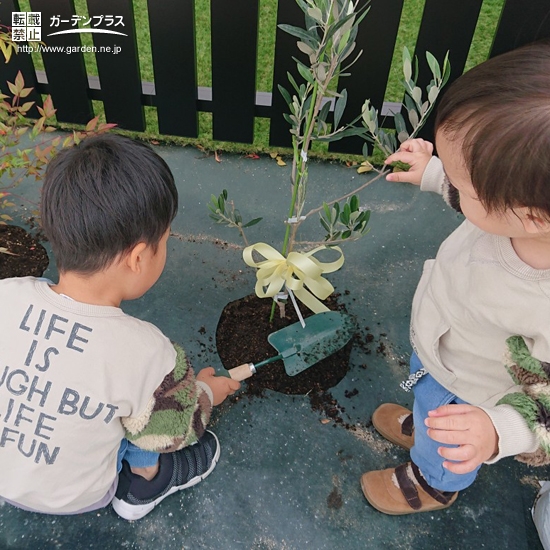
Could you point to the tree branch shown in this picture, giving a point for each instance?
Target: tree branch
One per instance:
(380, 174)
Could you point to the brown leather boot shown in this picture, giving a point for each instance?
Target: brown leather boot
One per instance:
(395, 423)
(403, 490)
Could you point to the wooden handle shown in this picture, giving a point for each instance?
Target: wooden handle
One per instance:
(242, 372)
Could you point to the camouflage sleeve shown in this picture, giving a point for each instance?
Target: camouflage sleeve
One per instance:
(533, 402)
(176, 415)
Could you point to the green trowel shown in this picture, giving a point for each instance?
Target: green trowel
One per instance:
(301, 347)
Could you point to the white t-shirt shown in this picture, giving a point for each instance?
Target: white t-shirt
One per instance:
(68, 372)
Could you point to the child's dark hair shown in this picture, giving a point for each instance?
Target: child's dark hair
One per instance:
(102, 197)
(501, 111)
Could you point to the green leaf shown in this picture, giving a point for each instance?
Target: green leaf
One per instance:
(399, 123)
(415, 69)
(307, 104)
(224, 193)
(310, 23)
(366, 113)
(253, 222)
(347, 51)
(434, 65)
(285, 94)
(289, 119)
(402, 136)
(323, 113)
(406, 55)
(333, 236)
(321, 72)
(315, 13)
(407, 64)
(388, 142)
(344, 216)
(335, 212)
(354, 203)
(446, 70)
(303, 35)
(339, 24)
(305, 48)
(413, 117)
(325, 225)
(304, 6)
(409, 103)
(342, 134)
(416, 94)
(433, 93)
(293, 82)
(305, 72)
(339, 108)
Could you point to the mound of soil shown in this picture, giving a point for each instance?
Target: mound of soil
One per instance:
(241, 337)
(21, 254)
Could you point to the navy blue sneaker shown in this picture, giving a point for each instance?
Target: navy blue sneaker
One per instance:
(136, 497)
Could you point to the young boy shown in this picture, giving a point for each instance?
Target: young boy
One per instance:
(489, 281)
(93, 401)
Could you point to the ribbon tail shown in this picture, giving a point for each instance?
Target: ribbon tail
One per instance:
(310, 301)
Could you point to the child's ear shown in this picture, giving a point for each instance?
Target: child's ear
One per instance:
(135, 257)
(535, 222)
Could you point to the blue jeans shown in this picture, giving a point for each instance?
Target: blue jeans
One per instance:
(428, 395)
(136, 457)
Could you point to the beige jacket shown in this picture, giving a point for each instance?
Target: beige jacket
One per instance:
(470, 299)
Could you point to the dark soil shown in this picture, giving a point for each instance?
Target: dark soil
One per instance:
(28, 257)
(241, 337)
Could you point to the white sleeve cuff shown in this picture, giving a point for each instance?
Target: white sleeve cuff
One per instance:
(514, 436)
(207, 390)
(433, 177)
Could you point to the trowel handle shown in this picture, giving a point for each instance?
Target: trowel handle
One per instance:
(242, 372)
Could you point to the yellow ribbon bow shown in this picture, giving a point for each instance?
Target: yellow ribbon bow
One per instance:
(297, 271)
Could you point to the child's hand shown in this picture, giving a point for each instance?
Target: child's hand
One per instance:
(470, 428)
(416, 153)
(221, 386)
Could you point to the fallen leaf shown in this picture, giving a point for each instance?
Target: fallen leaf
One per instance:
(217, 157)
(154, 142)
(252, 156)
(325, 420)
(280, 161)
(273, 155)
(4, 250)
(363, 169)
